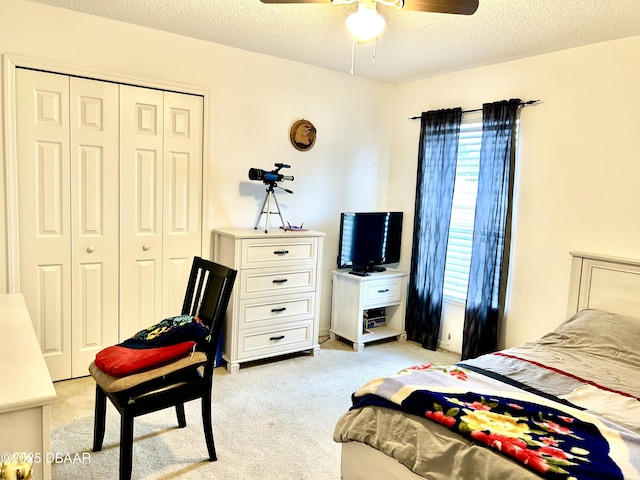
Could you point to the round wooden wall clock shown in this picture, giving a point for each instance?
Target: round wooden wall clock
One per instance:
(303, 135)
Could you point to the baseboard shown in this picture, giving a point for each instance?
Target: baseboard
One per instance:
(447, 347)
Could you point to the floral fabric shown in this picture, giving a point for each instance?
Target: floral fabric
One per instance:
(552, 439)
(182, 328)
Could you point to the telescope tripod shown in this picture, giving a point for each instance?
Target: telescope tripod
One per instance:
(267, 202)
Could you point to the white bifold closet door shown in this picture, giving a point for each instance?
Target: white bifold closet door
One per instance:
(160, 202)
(109, 180)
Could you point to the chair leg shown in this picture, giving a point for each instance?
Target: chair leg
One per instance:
(126, 445)
(99, 418)
(208, 428)
(182, 420)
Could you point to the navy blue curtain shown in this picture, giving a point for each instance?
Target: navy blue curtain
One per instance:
(437, 158)
(492, 229)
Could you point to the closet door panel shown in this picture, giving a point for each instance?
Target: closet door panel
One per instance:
(43, 204)
(141, 217)
(182, 233)
(94, 119)
(110, 210)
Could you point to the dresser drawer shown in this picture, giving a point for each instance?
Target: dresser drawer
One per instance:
(384, 292)
(258, 253)
(277, 281)
(260, 343)
(273, 311)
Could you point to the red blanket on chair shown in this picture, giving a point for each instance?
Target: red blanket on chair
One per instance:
(153, 346)
(121, 361)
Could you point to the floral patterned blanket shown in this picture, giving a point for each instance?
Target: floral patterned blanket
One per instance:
(547, 435)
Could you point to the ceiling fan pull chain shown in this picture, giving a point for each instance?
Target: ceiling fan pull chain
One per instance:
(353, 53)
(373, 60)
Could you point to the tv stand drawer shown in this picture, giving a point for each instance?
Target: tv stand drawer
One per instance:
(383, 292)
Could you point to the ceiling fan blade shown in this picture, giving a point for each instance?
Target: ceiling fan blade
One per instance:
(462, 7)
(295, 1)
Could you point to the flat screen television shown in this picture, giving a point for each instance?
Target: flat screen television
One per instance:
(369, 240)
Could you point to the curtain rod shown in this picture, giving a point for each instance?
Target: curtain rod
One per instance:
(524, 104)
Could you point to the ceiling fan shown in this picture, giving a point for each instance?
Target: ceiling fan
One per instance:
(365, 25)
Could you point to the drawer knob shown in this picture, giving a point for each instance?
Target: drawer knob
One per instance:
(278, 310)
(383, 291)
(277, 338)
(280, 280)
(281, 252)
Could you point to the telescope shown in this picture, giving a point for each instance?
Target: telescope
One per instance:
(271, 177)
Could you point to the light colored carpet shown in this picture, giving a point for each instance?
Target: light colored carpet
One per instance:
(272, 421)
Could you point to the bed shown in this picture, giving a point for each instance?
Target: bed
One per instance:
(564, 406)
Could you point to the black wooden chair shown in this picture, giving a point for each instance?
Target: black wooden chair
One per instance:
(172, 384)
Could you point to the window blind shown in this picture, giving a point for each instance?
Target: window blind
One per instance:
(458, 260)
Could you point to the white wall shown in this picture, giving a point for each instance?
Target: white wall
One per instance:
(254, 99)
(577, 174)
(577, 170)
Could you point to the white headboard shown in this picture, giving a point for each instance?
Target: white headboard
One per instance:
(604, 283)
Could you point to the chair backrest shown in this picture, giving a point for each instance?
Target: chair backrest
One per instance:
(207, 297)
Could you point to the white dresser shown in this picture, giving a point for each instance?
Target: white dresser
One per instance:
(26, 391)
(274, 308)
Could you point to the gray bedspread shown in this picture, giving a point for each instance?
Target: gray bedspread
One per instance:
(591, 360)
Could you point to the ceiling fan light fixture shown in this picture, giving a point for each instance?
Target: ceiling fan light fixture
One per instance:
(365, 25)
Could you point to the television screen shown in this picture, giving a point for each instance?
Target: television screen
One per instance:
(369, 239)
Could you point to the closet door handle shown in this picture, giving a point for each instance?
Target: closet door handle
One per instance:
(278, 310)
(280, 280)
(281, 252)
(277, 338)
(146, 247)
(91, 249)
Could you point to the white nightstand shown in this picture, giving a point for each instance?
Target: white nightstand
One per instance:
(383, 294)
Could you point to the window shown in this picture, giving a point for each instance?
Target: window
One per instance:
(456, 274)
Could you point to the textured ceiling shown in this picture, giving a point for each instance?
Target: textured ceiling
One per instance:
(413, 44)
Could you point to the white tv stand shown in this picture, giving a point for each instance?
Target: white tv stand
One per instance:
(383, 293)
